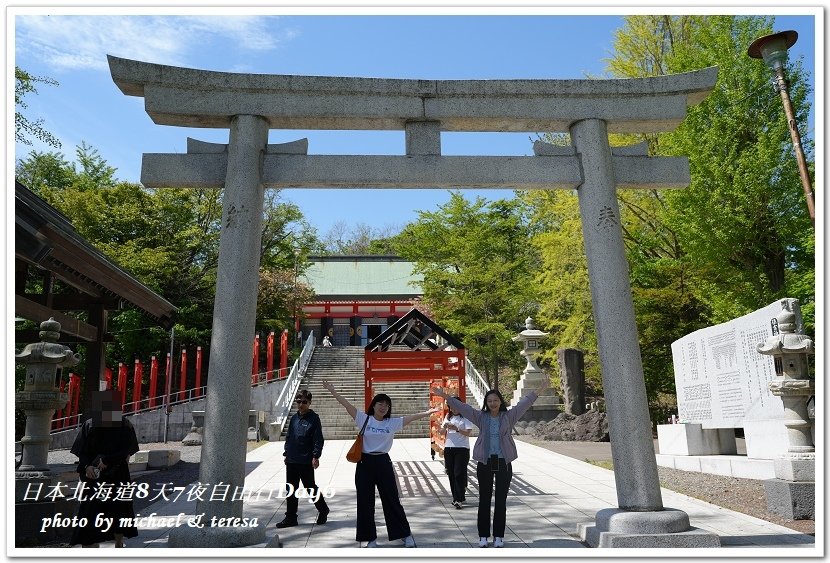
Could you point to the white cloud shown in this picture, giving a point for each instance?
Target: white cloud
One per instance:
(71, 42)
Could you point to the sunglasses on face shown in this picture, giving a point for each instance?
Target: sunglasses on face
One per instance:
(302, 402)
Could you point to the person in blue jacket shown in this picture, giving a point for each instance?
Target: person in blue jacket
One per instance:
(494, 450)
(303, 447)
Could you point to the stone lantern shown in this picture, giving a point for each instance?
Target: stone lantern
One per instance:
(40, 396)
(548, 405)
(530, 339)
(792, 492)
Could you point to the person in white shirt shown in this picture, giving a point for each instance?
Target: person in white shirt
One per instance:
(457, 431)
(374, 470)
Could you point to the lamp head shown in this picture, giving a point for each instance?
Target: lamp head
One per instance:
(773, 48)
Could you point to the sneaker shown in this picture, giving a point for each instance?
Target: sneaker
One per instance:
(323, 516)
(482, 542)
(498, 542)
(456, 504)
(373, 543)
(409, 541)
(287, 522)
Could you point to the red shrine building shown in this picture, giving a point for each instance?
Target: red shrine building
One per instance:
(357, 297)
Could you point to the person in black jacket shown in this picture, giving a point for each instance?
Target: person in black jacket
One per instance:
(103, 446)
(303, 446)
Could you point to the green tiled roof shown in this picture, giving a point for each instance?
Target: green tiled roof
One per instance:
(362, 277)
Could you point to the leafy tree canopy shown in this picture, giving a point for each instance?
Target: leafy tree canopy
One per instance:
(477, 267)
(24, 128)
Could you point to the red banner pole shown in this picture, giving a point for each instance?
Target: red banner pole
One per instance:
(122, 381)
(108, 377)
(198, 383)
(56, 423)
(283, 352)
(154, 381)
(138, 374)
(269, 357)
(74, 395)
(255, 363)
(183, 375)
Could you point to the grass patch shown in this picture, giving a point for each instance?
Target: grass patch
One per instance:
(254, 445)
(604, 463)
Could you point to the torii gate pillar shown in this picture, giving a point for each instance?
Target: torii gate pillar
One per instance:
(234, 317)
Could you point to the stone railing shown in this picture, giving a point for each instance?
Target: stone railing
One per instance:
(286, 397)
(476, 384)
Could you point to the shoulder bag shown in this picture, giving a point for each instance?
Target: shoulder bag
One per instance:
(356, 451)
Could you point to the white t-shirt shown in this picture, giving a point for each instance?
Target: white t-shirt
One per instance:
(454, 438)
(378, 434)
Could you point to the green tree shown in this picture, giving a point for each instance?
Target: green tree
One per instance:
(564, 292)
(477, 264)
(735, 240)
(745, 238)
(40, 170)
(168, 238)
(24, 83)
(359, 239)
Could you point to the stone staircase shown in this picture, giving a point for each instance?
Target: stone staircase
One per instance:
(343, 367)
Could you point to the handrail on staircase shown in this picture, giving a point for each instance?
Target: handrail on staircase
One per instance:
(476, 384)
(286, 397)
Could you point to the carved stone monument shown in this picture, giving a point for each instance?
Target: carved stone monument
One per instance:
(572, 375)
(723, 383)
(251, 104)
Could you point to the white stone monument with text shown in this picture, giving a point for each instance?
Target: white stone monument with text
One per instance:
(722, 382)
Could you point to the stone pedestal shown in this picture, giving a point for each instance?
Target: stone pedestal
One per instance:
(547, 406)
(793, 491)
(662, 529)
(194, 437)
(793, 500)
(693, 439)
(31, 507)
(256, 427)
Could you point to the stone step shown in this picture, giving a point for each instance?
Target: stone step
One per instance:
(343, 367)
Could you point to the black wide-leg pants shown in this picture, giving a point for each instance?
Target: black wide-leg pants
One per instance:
(376, 471)
(502, 479)
(455, 462)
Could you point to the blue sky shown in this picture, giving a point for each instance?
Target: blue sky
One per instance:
(71, 47)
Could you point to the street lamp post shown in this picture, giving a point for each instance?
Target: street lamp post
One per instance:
(773, 50)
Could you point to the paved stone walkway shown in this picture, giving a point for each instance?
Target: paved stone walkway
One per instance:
(550, 495)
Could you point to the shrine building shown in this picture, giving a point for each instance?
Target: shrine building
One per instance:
(358, 297)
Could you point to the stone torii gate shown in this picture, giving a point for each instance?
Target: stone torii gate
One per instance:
(251, 104)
